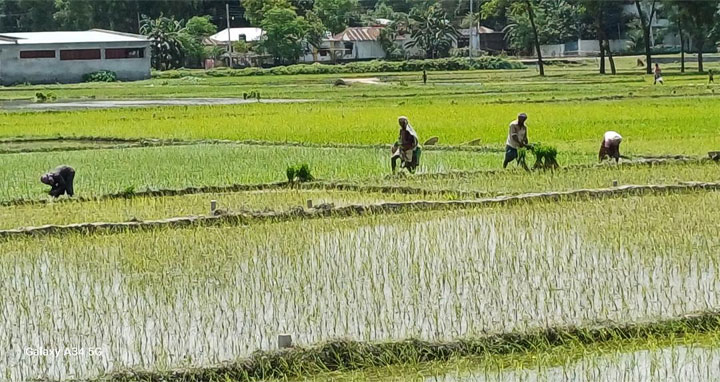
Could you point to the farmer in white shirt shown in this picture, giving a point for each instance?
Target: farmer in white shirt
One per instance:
(517, 138)
(610, 146)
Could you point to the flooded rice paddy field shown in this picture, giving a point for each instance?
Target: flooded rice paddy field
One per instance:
(149, 208)
(195, 297)
(675, 360)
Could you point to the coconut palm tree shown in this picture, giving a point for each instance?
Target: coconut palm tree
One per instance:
(431, 31)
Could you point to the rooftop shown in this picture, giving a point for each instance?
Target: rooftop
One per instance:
(358, 34)
(94, 35)
(479, 30)
(251, 34)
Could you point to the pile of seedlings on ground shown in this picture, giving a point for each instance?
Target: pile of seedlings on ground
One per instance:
(300, 174)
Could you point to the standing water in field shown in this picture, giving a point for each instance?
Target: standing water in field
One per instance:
(672, 364)
(195, 297)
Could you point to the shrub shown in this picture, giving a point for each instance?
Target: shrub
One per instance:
(41, 97)
(101, 76)
(375, 66)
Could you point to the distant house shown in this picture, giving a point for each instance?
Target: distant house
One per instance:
(236, 34)
(483, 39)
(352, 44)
(50, 57)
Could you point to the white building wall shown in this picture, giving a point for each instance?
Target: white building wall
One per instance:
(555, 50)
(366, 50)
(14, 70)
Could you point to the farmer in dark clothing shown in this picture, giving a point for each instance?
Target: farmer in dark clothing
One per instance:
(61, 181)
(517, 138)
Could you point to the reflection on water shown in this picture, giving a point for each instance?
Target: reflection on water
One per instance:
(678, 364)
(444, 278)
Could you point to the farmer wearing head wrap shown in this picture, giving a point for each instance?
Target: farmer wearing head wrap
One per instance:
(517, 138)
(60, 180)
(610, 146)
(407, 148)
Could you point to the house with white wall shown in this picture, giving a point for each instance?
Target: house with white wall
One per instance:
(352, 44)
(249, 34)
(65, 57)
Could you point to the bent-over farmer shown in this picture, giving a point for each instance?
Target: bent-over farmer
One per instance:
(60, 180)
(610, 146)
(407, 148)
(517, 138)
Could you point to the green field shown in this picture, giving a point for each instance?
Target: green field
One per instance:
(168, 298)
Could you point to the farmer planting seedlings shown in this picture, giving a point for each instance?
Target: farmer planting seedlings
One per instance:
(407, 148)
(61, 181)
(517, 138)
(610, 146)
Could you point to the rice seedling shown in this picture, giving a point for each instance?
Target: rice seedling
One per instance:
(692, 357)
(151, 208)
(517, 181)
(108, 171)
(570, 126)
(193, 297)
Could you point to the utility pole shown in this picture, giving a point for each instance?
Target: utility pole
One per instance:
(229, 48)
(472, 29)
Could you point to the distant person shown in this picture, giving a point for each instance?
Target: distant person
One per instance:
(60, 180)
(424, 77)
(610, 146)
(407, 148)
(711, 77)
(517, 138)
(658, 75)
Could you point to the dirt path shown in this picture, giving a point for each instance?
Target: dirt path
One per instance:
(114, 104)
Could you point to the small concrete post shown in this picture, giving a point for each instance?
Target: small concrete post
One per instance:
(284, 341)
(615, 183)
(213, 206)
(309, 203)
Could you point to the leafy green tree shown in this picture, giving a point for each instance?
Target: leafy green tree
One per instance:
(36, 15)
(255, 10)
(284, 30)
(168, 38)
(315, 31)
(432, 32)
(596, 9)
(646, 12)
(702, 17)
(74, 14)
(679, 24)
(399, 26)
(518, 9)
(336, 15)
(196, 30)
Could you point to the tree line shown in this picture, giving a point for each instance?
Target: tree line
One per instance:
(433, 25)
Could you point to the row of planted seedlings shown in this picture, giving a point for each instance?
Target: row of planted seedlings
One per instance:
(169, 299)
(141, 205)
(685, 354)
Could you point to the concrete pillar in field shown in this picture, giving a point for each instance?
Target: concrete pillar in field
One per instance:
(284, 341)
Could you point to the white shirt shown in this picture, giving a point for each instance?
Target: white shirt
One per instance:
(516, 129)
